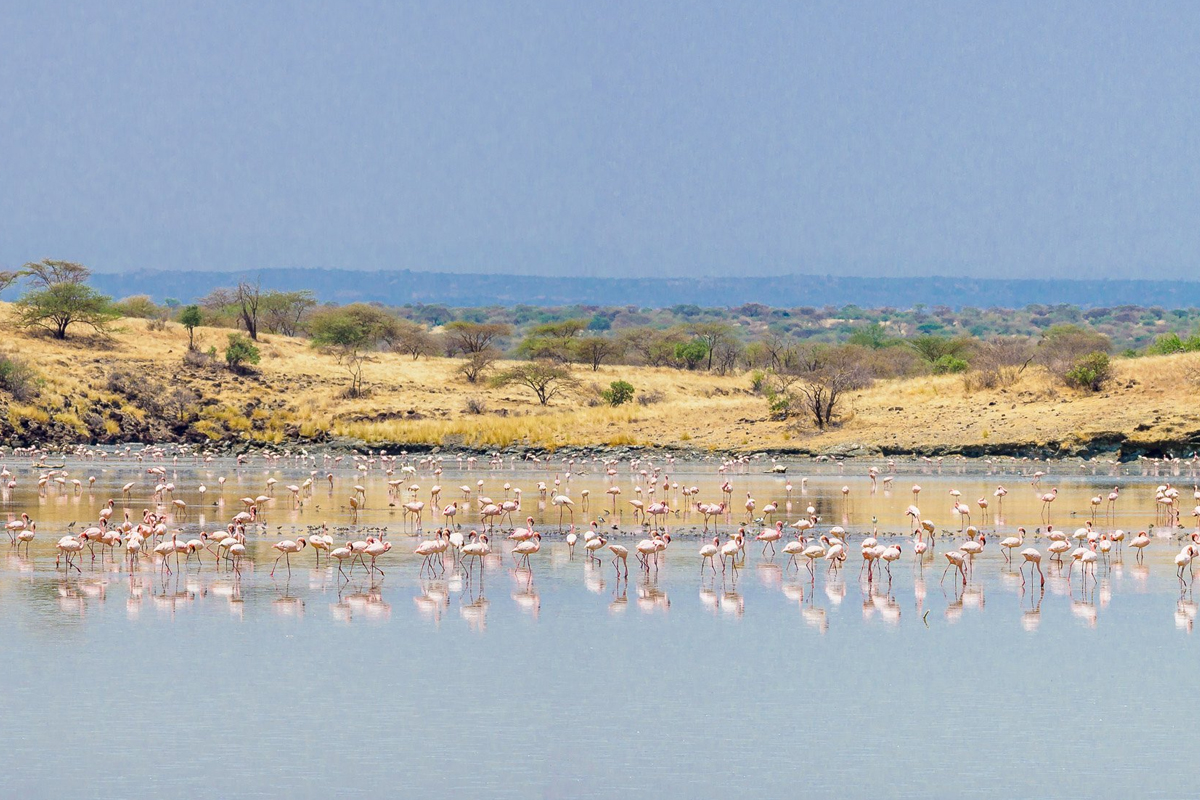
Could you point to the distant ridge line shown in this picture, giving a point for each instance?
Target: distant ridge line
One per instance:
(401, 287)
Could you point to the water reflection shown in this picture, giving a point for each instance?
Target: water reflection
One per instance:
(461, 621)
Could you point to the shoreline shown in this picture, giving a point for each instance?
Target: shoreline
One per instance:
(1113, 446)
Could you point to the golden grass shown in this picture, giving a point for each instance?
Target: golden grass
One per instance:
(299, 395)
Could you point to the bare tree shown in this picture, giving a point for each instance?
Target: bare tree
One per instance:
(476, 365)
(999, 362)
(726, 356)
(781, 350)
(823, 377)
(181, 401)
(713, 334)
(248, 297)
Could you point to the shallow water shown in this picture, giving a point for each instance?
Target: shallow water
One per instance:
(562, 681)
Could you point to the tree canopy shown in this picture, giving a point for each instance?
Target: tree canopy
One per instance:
(349, 332)
(60, 305)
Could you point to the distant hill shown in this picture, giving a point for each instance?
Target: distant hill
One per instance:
(403, 287)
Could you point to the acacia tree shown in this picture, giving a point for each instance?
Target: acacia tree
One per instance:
(48, 272)
(64, 299)
(473, 337)
(349, 333)
(594, 350)
(553, 340)
(412, 338)
(655, 348)
(544, 378)
(713, 334)
(282, 312)
(931, 347)
(8, 278)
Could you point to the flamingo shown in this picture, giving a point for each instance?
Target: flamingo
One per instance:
(812, 552)
(478, 550)
(1141, 542)
(1012, 543)
(1184, 559)
(25, 537)
(286, 548)
(956, 559)
(426, 549)
(525, 549)
(375, 550)
(708, 553)
(1047, 499)
(769, 537)
(1057, 548)
(620, 553)
(1032, 556)
(594, 544)
(730, 550)
(340, 554)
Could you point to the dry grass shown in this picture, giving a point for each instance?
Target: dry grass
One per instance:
(298, 395)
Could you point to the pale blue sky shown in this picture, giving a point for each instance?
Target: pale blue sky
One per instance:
(628, 138)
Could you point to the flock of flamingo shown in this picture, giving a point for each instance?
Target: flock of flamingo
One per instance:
(162, 534)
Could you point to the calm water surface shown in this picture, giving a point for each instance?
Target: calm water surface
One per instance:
(562, 681)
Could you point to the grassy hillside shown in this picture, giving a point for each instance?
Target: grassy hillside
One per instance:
(126, 388)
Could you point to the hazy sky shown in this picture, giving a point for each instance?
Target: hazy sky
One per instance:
(640, 138)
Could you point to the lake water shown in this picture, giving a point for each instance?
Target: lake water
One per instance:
(562, 681)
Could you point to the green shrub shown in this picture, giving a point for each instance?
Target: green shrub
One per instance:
(240, 351)
(1090, 372)
(691, 353)
(139, 306)
(1166, 344)
(618, 393)
(948, 364)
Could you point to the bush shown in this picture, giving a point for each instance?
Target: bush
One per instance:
(1090, 372)
(141, 390)
(1063, 347)
(1169, 343)
(758, 381)
(948, 364)
(240, 351)
(139, 306)
(475, 405)
(17, 378)
(199, 359)
(998, 362)
(650, 398)
(779, 404)
(618, 393)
